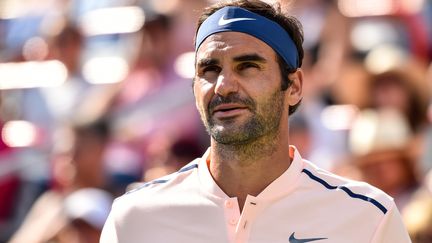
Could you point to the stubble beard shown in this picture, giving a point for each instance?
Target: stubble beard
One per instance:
(256, 137)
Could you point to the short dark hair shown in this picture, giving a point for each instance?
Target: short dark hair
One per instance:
(289, 23)
(99, 129)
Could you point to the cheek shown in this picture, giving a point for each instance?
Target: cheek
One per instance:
(203, 92)
(266, 83)
(266, 93)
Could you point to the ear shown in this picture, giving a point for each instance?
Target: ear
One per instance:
(294, 92)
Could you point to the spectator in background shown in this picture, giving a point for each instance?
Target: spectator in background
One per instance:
(404, 90)
(65, 100)
(84, 214)
(418, 219)
(380, 140)
(90, 143)
(153, 64)
(81, 167)
(326, 41)
(180, 152)
(67, 47)
(45, 108)
(418, 213)
(326, 47)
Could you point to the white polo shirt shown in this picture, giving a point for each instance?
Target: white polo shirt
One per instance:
(305, 204)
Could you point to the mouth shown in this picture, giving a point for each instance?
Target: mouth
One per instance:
(228, 110)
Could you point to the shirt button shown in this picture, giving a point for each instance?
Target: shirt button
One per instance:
(228, 204)
(233, 221)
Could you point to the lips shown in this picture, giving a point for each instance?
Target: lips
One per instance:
(228, 110)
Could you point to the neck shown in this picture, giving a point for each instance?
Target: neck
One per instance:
(247, 169)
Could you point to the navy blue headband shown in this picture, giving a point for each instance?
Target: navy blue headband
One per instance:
(241, 20)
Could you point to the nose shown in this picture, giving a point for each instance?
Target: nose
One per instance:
(226, 83)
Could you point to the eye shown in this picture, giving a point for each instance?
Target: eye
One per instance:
(210, 72)
(212, 68)
(247, 65)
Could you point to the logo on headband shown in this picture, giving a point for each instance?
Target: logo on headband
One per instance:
(223, 21)
(238, 20)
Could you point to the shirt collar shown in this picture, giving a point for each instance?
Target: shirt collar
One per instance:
(278, 188)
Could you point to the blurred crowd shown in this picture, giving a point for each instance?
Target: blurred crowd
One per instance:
(95, 97)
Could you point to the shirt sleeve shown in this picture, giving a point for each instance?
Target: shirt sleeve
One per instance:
(391, 229)
(109, 231)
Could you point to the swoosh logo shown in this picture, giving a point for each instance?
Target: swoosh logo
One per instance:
(292, 239)
(223, 21)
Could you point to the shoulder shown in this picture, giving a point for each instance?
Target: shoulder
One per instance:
(365, 193)
(183, 178)
(153, 203)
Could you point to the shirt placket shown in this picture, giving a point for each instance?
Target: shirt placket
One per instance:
(247, 217)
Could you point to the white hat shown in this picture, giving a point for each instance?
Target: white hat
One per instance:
(90, 205)
(378, 130)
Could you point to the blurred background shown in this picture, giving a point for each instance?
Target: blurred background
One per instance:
(96, 96)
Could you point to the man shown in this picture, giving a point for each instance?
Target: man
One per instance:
(251, 186)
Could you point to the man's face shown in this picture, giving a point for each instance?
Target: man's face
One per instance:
(238, 88)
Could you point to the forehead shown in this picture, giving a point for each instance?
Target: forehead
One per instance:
(233, 44)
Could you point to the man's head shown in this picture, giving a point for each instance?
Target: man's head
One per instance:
(248, 56)
(289, 24)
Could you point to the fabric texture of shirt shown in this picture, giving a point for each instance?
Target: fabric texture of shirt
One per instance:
(305, 204)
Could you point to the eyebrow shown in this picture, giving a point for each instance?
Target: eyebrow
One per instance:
(250, 57)
(242, 58)
(207, 62)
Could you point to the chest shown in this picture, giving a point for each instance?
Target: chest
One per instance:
(287, 220)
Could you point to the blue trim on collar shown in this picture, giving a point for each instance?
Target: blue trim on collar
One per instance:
(345, 189)
(161, 181)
